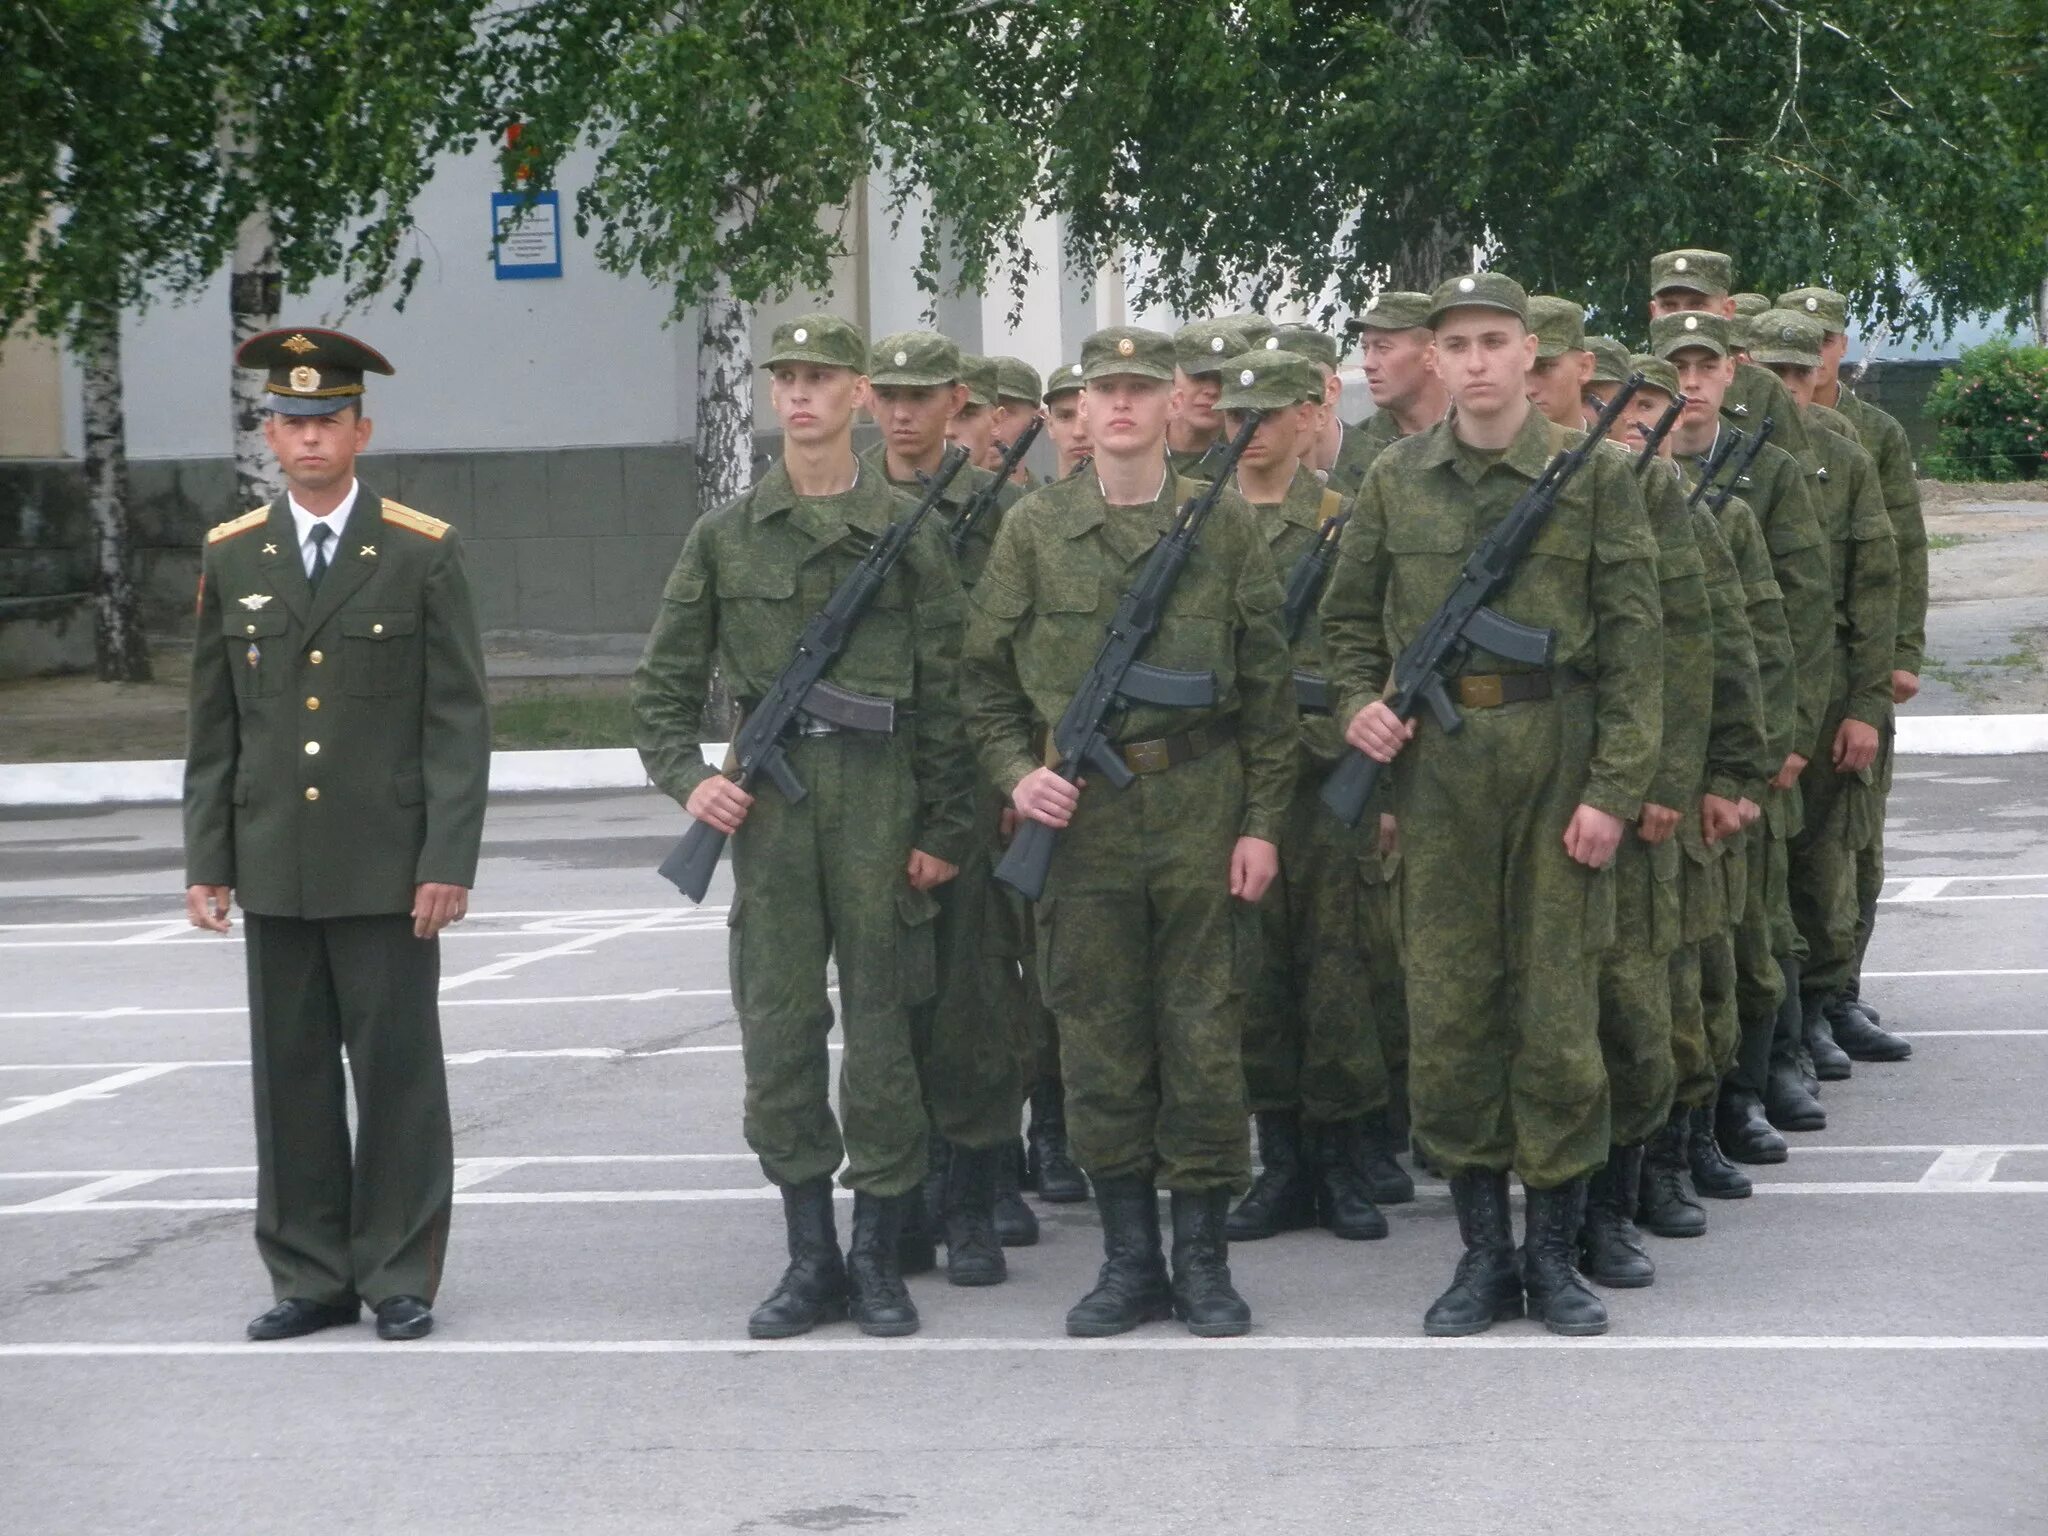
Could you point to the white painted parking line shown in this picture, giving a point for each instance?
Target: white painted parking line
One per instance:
(179, 932)
(576, 946)
(132, 1011)
(1131, 1343)
(98, 1088)
(1964, 1165)
(453, 1059)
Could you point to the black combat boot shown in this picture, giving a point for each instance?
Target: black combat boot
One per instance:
(813, 1289)
(974, 1254)
(1743, 1129)
(1343, 1202)
(1855, 1031)
(1131, 1287)
(1713, 1176)
(1665, 1206)
(1558, 1297)
(1488, 1286)
(1016, 1222)
(923, 1219)
(1385, 1179)
(1830, 1061)
(1203, 1296)
(1611, 1250)
(877, 1298)
(1282, 1198)
(1052, 1171)
(1788, 1102)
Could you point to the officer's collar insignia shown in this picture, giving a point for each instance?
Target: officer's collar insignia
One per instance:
(254, 601)
(270, 549)
(369, 552)
(1741, 410)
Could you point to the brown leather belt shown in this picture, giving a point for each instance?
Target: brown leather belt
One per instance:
(1157, 756)
(1490, 690)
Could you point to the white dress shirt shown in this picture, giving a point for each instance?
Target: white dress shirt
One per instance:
(306, 522)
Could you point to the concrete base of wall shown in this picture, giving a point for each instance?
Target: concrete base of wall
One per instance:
(49, 636)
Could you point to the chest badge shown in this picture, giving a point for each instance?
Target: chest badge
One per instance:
(255, 653)
(254, 601)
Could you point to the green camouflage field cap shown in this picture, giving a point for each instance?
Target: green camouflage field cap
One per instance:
(1128, 350)
(1787, 336)
(1610, 360)
(1398, 309)
(1559, 324)
(1478, 290)
(1255, 326)
(1064, 380)
(1750, 304)
(914, 360)
(1708, 272)
(1206, 345)
(1305, 341)
(1016, 380)
(1268, 379)
(1657, 373)
(1672, 334)
(978, 373)
(818, 338)
(1830, 308)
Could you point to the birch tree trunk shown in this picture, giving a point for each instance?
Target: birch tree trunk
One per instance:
(122, 647)
(255, 290)
(724, 448)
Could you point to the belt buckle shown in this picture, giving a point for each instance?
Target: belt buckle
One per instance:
(1485, 691)
(1147, 757)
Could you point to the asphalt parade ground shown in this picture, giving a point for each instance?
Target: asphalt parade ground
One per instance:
(1862, 1347)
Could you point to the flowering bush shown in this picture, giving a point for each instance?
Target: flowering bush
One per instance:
(1992, 412)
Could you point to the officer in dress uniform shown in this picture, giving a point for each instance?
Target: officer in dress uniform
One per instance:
(335, 776)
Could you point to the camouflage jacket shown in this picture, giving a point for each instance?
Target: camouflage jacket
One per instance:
(1864, 563)
(1355, 453)
(1688, 639)
(964, 488)
(1590, 575)
(750, 577)
(1063, 559)
(1885, 441)
(1291, 526)
(1777, 679)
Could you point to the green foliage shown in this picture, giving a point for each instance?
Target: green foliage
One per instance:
(1992, 413)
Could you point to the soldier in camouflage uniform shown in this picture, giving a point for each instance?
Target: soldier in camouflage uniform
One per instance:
(1853, 1022)
(972, 1086)
(1148, 932)
(1066, 420)
(1313, 1071)
(1017, 406)
(1777, 488)
(1510, 824)
(1843, 803)
(1195, 435)
(973, 426)
(845, 876)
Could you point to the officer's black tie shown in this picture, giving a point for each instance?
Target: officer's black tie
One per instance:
(320, 537)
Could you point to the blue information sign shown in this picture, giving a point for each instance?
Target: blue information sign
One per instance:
(526, 237)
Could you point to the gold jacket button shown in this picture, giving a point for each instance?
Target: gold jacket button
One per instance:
(312, 793)
(316, 658)
(312, 749)
(312, 703)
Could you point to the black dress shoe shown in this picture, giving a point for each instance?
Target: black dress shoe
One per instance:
(404, 1317)
(293, 1319)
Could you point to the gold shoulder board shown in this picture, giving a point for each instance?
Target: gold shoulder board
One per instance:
(418, 522)
(235, 525)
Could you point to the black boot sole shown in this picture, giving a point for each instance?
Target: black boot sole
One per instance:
(1671, 1232)
(1577, 1330)
(1802, 1125)
(975, 1278)
(834, 1312)
(1740, 1191)
(888, 1330)
(1831, 1071)
(1880, 1058)
(1092, 1330)
(1506, 1312)
(1230, 1330)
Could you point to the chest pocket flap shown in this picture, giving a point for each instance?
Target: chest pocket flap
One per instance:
(253, 626)
(1431, 533)
(379, 626)
(757, 578)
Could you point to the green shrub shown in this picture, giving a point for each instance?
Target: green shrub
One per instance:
(1992, 413)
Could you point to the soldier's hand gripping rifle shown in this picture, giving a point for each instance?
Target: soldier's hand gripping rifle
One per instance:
(1118, 679)
(1726, 489)
(1723, 450)
(759, 749)
(1654, 438)
(1465, 621)
(983, 502)
(1305, 583)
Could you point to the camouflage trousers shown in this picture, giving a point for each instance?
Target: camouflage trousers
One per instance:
(1145, 960)
(1763, 934)
(1842, 812)
(1636, 1045)
(823, 881)
(1706, 1029)
(1312, 1038)
(1379, 936)
(1870, 860)
(1502, 933)
(964, 1038)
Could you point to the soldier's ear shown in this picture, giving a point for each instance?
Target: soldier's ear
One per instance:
(364, 427)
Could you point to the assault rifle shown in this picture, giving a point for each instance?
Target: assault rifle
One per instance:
(1118, 679)
(1305, 583)
(1726, 489)
(1711, 466)
(983, 502)
(1654, 438)
(760, 749)
(1465, 620)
